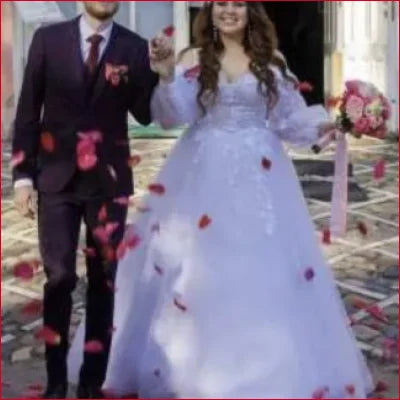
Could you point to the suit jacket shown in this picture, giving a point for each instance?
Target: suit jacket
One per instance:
(57, 98)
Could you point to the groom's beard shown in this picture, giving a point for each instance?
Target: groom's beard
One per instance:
(101, 10)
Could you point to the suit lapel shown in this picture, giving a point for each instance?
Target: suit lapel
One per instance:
(108, 55)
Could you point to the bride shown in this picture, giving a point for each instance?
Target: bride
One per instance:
(227, 294)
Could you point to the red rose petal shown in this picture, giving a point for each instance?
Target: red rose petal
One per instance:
(134, 161)
(377, 313)
(204, 221)
(121, 250)
(86, 151)
(36, 387)
(169, 31)
(305, 87)
(320, 392)
(102, 215)
(132, 240)
(89, 252)
(86, 162)
(180, 305)
(192, 72)
(94, 347)
(47, 141)
(379, 169)
(157, 189)
(362, 227)
(381, 387)
(85, 146)
(103, 233)
(122, 201)
(34, 307)
(350, 389)
(359, 303)
(326, 236)
(309, 274)
(111, 227)
(266, 163)
(108, 253)
(17, 158)
(159, 270)
(49, 336)
(25, 270)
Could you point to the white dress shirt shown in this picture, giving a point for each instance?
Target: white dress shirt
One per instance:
(85, 32)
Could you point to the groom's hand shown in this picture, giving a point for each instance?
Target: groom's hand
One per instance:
(23, 200)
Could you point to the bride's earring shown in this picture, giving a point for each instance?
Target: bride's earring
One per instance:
(215, 34)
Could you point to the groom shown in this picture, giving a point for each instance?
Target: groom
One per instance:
(81, 80)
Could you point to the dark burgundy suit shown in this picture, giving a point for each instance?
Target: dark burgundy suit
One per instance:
(58, 96)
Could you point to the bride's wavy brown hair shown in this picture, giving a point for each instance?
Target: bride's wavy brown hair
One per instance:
(260, 44)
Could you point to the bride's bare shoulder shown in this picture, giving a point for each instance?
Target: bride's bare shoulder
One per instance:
(188, 57)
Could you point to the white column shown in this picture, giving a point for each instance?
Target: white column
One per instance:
(79, 7)
(18, 53)
(181, 23)
(132, 15)
(392, 62)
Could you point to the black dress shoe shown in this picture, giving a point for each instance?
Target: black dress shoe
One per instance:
(55, 391)
(89, 392)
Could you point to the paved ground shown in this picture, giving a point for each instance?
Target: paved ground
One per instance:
(366, 267)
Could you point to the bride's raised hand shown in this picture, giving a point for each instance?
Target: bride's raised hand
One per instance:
(162, 55)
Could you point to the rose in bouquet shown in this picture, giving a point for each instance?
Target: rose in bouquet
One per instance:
(361, 110)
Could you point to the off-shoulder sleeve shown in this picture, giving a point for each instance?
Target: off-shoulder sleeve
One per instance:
(291, 119)
(175, 104)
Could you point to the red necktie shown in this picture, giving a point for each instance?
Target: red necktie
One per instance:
(93, 58)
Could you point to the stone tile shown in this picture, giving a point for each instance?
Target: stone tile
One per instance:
(387, 210)
(23, 354)
(369, 274)
(27, 340)
(376, 230)
(365, 333)
(7, 338)
(9, 328)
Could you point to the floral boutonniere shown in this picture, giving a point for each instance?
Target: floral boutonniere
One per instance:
(114, 74)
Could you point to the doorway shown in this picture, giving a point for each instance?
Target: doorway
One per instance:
(300, 29)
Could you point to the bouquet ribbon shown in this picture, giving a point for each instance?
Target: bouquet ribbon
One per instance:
(339, 200)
